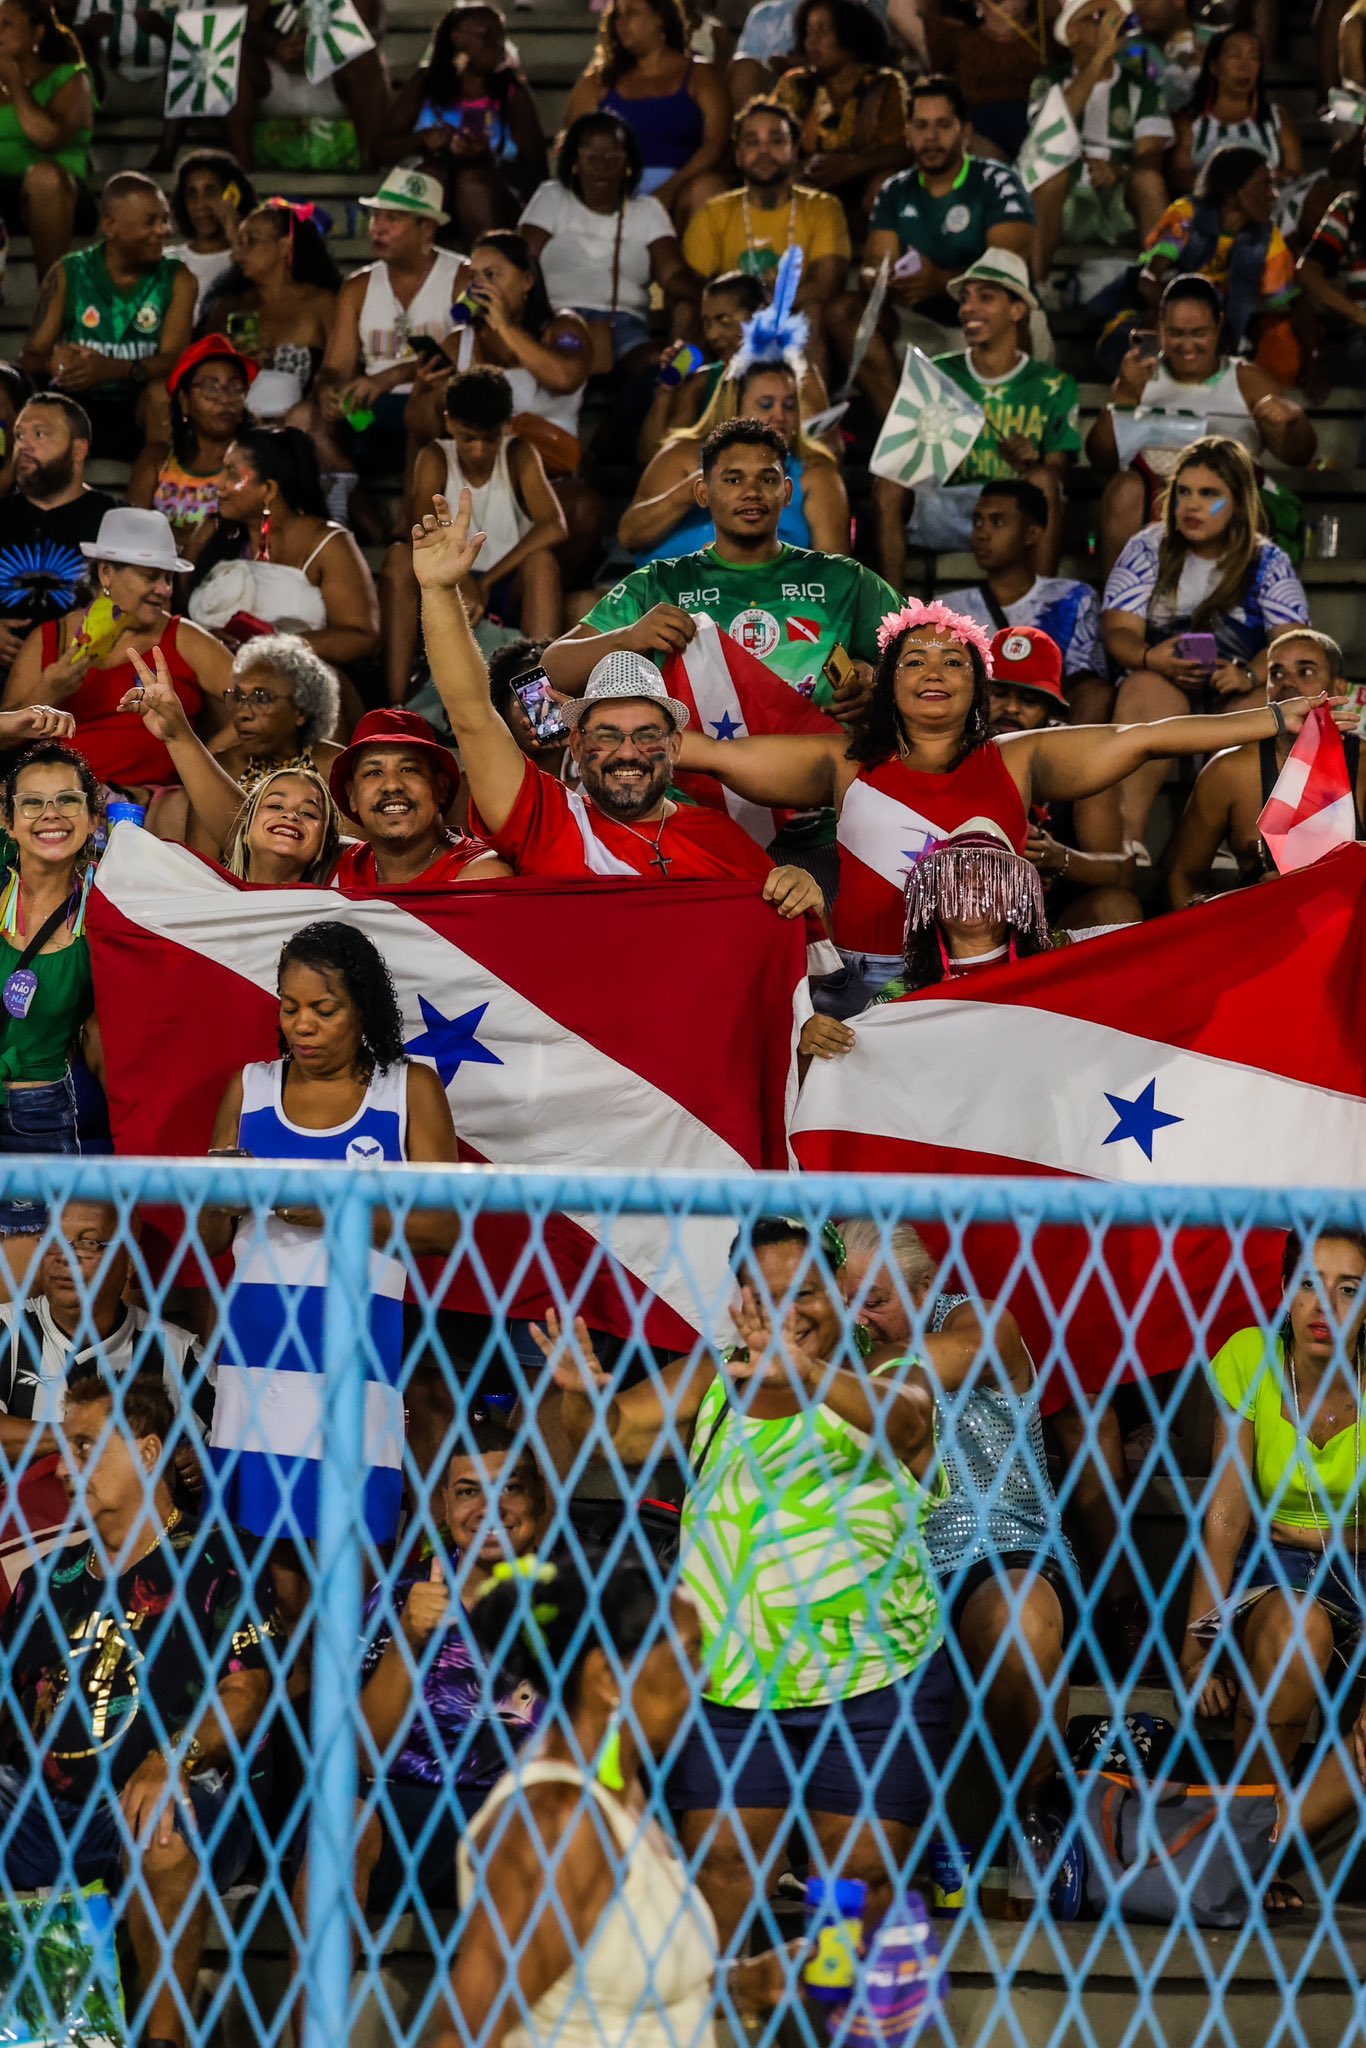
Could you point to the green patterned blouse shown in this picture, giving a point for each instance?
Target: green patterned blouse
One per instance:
(803, 1548)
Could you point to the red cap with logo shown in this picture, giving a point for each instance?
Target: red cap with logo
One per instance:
(1024, 658)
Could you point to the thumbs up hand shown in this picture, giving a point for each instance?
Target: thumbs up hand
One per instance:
(427, 1607)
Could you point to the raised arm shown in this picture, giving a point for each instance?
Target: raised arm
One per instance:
(1063, 763)
(214, 797)
(796, 769)
(636, 1417)
(444, 553)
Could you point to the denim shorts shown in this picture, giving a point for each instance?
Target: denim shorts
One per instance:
(34, 1120)
(46, 1842)
(629, 330)
(853, 1757)
(852, 987)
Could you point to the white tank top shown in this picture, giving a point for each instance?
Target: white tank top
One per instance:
(647, 1974)
(497, 513)
(385, 325)
(1218, 400)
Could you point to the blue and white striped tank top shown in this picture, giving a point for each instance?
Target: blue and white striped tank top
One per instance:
(268, 1417)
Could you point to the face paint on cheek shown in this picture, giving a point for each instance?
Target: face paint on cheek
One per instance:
(1219, 505)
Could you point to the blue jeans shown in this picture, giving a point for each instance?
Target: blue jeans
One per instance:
(83, 1842)
(35, 1120)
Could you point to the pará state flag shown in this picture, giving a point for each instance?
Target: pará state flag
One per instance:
(204, 62)
(575, 1026)
(1312, 809)
(335, 35)
(930, 428)
(732, 696)
(1219, 1046)
(1053, 142)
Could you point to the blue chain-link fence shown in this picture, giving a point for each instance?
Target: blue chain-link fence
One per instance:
(942, 1561)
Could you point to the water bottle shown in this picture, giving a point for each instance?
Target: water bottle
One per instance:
(950, 1868)
(903, 1980)
(121, 810)
(834, 1927)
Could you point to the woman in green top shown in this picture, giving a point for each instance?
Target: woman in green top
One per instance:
(46, 116)
(812, 1477)
(1275, 1577)
(49, 801)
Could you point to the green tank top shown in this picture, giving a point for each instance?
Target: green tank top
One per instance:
(38, 1047)
(18, 154)
(123, 324)
(803, 1548)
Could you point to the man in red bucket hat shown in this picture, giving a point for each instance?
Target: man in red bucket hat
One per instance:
(1077, 848)
(396, 781)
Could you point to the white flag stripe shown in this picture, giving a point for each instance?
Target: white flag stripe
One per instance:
(259, 1409)
(1293, 779)
(924, 1072)
(556, 1102)
(715, 694)
(1311, 837)
(883, 832)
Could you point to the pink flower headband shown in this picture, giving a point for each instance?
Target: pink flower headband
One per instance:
(915, 614)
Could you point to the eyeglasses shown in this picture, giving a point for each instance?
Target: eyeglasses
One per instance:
(262, 698)
(219, 387)
(647, 739)
(69, 803)
(87, 1249)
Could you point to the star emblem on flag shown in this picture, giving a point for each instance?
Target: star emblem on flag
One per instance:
(931, 427)
(725, 727)
(451, 1042)
(336, 35)
(1139, 1119)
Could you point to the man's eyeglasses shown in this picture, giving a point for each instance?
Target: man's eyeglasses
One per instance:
(262, 698)
(69, 803)
(89, 1250)
(647, 739)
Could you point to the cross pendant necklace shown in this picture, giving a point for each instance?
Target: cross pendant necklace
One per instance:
(658, 858)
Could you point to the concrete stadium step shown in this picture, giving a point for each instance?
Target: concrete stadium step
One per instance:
(1150, 1987)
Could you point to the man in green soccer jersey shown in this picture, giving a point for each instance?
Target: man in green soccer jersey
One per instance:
(929, 224)
(1031, 428)
(789, 606)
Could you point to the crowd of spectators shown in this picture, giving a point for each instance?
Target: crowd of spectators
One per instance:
(373, 579)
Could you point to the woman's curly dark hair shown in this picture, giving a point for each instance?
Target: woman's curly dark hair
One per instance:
(331, 948)
(882, 728)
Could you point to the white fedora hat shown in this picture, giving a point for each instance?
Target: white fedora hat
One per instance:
(142, 540)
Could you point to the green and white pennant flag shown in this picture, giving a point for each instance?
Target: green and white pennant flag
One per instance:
(1052, 143)
(205, 59)
(930, 428)
(336, 34)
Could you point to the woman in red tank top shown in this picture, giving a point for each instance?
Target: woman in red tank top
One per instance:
(82, 660)
(922, 763)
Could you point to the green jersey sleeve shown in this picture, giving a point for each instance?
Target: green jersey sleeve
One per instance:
(626, 601)
(1062, 428)
(873, 599)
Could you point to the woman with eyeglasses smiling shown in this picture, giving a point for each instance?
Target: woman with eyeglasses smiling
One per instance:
(48, 803)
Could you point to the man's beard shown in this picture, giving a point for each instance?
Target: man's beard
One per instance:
(50, 479)
(625, 805)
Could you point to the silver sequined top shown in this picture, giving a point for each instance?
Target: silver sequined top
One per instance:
(1000, 1494)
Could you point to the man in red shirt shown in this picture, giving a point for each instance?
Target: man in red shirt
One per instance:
(395, 781)
(625, 733)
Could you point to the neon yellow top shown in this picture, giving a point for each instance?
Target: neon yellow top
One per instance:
(1252, 1378)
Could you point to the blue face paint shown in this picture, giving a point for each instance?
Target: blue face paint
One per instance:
(1219, 505)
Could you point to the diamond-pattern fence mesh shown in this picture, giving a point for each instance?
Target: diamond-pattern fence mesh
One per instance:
(996, 1545)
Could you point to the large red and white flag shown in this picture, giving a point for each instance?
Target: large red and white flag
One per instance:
(1222, 1046)
(575, 1026)
(1312, 809)
(732, 696)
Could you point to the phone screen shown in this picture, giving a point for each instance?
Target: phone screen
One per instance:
(1147, 344)
(1201, 647)
(426, 346)
(536, 696)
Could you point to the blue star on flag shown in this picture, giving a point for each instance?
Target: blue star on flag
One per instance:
(725, 727)
(1140, 1119)
(451, 1041)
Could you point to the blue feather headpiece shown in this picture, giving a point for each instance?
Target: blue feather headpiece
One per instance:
(777, 333)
